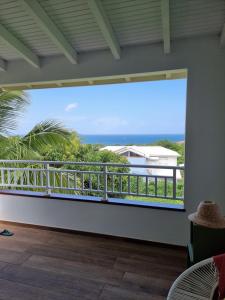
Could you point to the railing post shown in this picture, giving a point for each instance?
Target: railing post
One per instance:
(174, 183)
(48, 186)
(105, 184)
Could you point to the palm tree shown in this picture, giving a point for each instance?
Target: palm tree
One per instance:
(50, 132)
(12, 105)
(29, 146)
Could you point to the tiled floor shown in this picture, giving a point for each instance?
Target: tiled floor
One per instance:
(42, 264)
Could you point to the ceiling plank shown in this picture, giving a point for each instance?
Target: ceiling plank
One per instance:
(2, 65)
(105, 27)
(19, 47)
(165, 12)
(48, 26)
(222, 37)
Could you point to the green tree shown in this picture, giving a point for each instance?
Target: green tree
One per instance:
(29, 146)
(78, 152)
(66, 151)
(12, 105)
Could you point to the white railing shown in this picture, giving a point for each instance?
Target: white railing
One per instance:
(91, 178)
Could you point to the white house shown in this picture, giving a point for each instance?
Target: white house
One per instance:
(150, 155)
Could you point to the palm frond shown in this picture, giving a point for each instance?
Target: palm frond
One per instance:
(3, 141)
(12, 104)
(13, 148)
(49, 132)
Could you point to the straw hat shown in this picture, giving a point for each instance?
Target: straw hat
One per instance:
(209, 215)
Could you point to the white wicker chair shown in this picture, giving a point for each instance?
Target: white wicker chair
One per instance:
(199, 282)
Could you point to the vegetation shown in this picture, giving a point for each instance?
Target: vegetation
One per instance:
(49, 132)
(156, 200)
(12, 104)
(78, 152)
(74, 151)
(50, 141)
(29, 146)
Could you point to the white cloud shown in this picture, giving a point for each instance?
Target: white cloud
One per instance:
(71, 106)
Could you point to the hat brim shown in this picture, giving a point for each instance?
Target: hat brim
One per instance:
(195, 218)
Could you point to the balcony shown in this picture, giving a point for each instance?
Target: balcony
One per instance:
(150, 40)
(127, 184)
(46, 264)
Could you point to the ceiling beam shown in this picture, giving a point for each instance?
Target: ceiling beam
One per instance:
(222, 37)
(165, 13)
(48, 26)
(2, 65)
(105, 27)
(19, 47)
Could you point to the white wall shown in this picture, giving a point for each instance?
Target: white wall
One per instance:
(163, 161)
(205, 142)
(126, 221)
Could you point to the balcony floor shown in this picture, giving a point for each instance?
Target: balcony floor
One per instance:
(44, 264)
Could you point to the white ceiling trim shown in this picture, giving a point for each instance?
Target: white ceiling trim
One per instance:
(105, 27)
(42, 19)
(19, 47)
(132, 77)
(165, 12)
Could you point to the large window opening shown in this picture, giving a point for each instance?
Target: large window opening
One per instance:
(116, 143)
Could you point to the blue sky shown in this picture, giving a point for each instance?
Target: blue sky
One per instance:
(155, 107)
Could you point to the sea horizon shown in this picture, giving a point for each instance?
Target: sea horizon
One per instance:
(126, 139)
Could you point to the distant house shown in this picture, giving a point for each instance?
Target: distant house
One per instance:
(148, 155)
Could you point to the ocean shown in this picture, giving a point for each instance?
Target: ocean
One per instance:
(126, 139)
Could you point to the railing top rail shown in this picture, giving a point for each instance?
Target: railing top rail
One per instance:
(97, 164)
(86, 172)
